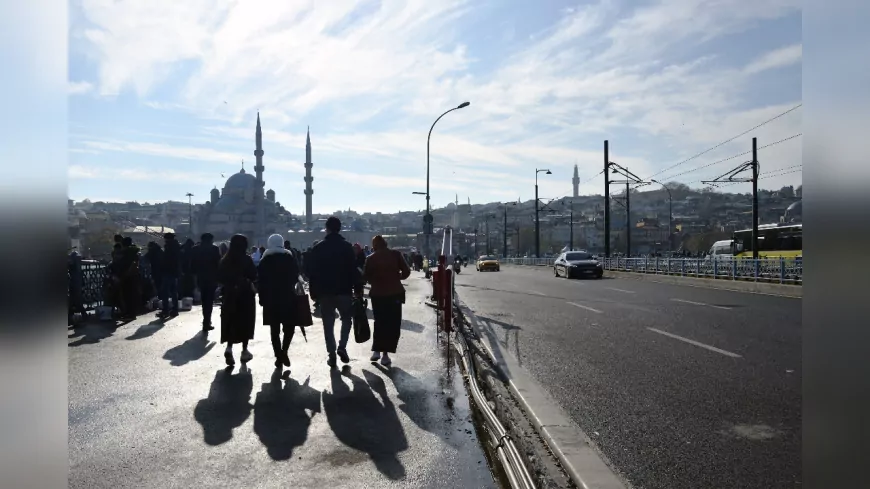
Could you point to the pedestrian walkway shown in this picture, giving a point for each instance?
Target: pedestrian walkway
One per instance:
(153, 404)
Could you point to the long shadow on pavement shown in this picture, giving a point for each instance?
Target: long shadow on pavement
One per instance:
(361, 421)
(147, 330)
(92, 332)
(192, 349)
(227, 405)
(419, 402)
(280, 418)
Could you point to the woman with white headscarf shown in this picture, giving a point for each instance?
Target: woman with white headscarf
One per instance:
(277, 279)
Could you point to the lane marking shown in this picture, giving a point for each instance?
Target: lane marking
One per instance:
(701, 304)
(620, 290)
(538, 293)
(696, 343)
(581, 306)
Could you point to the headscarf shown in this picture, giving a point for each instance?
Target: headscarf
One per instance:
(379, 243)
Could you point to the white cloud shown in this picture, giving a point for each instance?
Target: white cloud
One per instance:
(374, 76)
(80, 87)
(779, 58)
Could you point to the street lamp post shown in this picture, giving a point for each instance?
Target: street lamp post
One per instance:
(189, 213)
(537, 214)
(505, 229)
(571, 216)
(670, 212)
(427, 219)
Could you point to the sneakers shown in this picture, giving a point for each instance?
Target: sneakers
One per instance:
(228, 355)
(376, 355)
(246, 356)
(342, 354)
(331, 360)
(385, 360)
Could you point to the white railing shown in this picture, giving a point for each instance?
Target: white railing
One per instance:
(776, 270)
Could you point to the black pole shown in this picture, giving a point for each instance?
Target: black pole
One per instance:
(504, 243)
(754, 198)
(518, 241)
(476, 252)
(627, 221)
(537, 222)
(670, 220)
(571, 247)
(606, 199)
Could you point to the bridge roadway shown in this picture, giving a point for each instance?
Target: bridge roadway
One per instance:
(680, 387)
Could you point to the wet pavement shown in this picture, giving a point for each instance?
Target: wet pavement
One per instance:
(153, 404)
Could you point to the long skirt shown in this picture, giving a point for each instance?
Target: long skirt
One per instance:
(238, 316)
(387, 312)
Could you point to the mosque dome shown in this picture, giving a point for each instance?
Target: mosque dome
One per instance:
(240, 180)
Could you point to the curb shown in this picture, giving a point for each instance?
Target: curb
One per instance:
(579, 458)
(781, 290)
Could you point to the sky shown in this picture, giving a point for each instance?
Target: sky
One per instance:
(164, 95)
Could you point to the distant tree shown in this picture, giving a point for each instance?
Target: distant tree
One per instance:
(787, 192)
(97, 244)
(798, 192)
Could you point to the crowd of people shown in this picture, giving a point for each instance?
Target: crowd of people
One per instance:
(334, 271)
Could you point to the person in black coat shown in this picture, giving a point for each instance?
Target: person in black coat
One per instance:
(204, 263)
(277, 279)
(237, 276)
(170, 272)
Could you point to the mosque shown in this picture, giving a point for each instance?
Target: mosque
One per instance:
(244, 207)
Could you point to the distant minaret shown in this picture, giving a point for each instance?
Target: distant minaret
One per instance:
(576, 181)
(259, 197)
(308, 178)
(456, 213)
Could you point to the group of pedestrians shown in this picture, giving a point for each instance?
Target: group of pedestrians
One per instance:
(336, 272)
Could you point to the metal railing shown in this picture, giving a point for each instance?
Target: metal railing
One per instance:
(89, 281)
(773, 270)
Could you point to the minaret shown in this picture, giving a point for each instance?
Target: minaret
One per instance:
(308, 178)
(456, 213)
(259, 198)
(576, 181)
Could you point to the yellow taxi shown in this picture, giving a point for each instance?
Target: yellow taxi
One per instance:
(488, 262)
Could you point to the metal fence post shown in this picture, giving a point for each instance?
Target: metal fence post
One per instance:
(734, 269)
(781, 269)
(757, 261)
(715, 269)
(697, 267)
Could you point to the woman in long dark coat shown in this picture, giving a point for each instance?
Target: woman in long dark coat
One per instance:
(237, 276)
(277, 277)
(384, 270)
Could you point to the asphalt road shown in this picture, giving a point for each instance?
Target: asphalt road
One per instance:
(152, 404)
(679, 386)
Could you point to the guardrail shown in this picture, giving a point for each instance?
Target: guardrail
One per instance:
(772, 270)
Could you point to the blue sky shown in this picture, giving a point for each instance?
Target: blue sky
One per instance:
(164, 95)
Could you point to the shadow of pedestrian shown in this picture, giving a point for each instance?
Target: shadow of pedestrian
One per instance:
(362, 422)
(192, 349)
(227, 405)
(412, 326)
(420, 403)
(281, 419)
(147, 330)
(92, 332)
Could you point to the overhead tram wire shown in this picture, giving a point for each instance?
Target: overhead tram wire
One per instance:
(726, 141)
(723, 160)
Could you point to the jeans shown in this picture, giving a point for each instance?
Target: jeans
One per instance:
(207, 293)
(169, 293)
(328, 306)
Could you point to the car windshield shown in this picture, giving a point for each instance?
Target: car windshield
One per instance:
(577, 256)
(487, 258)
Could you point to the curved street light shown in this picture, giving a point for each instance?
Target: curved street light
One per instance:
(670, 211)
(537, 213)
(427, 219)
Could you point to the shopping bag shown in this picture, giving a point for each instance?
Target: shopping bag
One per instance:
(303, 311)
(361, 331)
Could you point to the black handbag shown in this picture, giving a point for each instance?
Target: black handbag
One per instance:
(361, 330)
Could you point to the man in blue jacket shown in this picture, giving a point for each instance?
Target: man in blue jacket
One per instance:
(332, 273)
